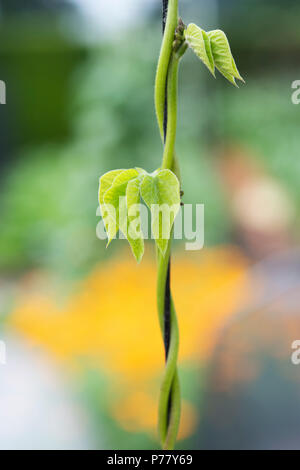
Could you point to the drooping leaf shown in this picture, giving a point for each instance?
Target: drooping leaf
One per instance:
(161, 193)
(222, 55)
(199, 42)
(106, 182)
(134, 230)
(229, 77)
(114, 200)
(120, 194)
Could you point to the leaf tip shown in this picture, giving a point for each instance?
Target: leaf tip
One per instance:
(139, 258)
(109, 240)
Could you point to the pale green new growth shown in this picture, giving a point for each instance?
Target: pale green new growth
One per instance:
(121, 191)
(106, 182)
(113, 203)
(161, 193)
(223, 58)
(199, 42)
(120, 195)
(214, 51)
(161, 187)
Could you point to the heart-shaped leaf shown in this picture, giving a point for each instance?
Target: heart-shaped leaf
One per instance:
(114, 200)
(222, 56)
(199, 42)
(106, 182)
(120, 195)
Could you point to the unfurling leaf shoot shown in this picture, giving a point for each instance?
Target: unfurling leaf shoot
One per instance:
(120, 195)
(213, 50)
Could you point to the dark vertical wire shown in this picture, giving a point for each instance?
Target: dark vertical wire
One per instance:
(164, 20)
(167, 302)
(167, 306)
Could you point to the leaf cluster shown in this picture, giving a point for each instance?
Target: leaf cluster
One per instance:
(120, 195)
(213, 50)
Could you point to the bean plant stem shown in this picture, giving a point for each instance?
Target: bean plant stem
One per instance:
(163, 63)
(167, 81)
(172, 85)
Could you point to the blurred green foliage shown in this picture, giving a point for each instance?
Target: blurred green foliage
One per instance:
(48, 198)
(266, 122)
(37, 59)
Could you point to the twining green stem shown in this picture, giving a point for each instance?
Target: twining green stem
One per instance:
(172, 85)
(175, 411)
(168, 421)
(167, 80)
(163, 63)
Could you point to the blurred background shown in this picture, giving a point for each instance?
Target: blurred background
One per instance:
(84, 356)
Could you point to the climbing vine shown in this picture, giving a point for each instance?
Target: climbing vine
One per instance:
(121, 191)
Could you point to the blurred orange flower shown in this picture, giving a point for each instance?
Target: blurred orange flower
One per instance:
(112, 321)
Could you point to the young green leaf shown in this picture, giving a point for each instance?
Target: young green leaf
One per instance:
(115, 204)
(199, 42)
(161, 193)
(222, 55)
(134, 233)
(106, 182)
